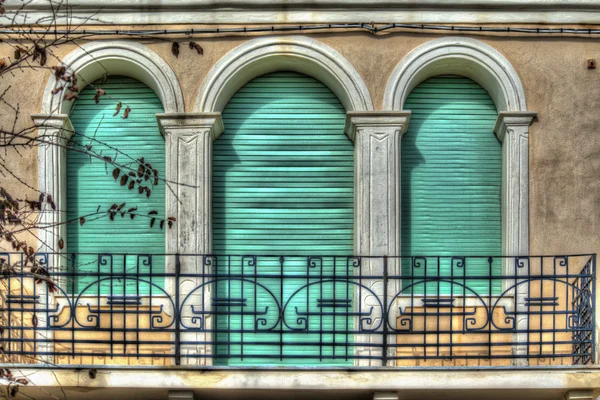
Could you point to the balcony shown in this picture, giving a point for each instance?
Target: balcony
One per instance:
(324, 311)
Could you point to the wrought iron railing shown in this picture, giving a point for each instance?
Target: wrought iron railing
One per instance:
(203, 310)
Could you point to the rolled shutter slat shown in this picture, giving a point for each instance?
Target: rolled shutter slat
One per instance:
(90, 183)
(451, 181)
(282, 185)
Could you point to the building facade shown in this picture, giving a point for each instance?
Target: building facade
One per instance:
(309, 199)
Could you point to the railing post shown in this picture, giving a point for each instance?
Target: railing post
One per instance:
(595, 312)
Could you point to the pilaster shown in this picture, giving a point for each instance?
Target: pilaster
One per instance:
(188, 138)
(54, 131)
(512, 129)
(377, 137)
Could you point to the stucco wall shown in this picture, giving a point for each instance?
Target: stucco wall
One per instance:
(564, 142)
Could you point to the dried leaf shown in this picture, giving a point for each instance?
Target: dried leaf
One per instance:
(196, 46)
(155, 180)
(153, 212)
(121, 206)
(34, 321)
(131, 185)
(175, 49)
(148, 192)
(141, 189)
(162, 224)
(116, 172)
(81, 221)
(99, 92)
(58, 89)
(40, 52)
(126, 112)
(17, 53)
(71, 96)
(152, 221)
(59, 71)
(124, 179)
(61, 243)
(117, 109)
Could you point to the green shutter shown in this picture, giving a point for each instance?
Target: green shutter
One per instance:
(282, 185)
(451, 178)
(90, 183)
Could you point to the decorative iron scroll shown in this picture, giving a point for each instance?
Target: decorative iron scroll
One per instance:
(288, 310)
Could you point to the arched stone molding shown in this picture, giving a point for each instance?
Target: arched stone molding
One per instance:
(189, 136)
(490, 69)
(458, 56)
(288, 53)
(93, 60)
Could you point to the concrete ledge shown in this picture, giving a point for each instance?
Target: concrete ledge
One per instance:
(316, 379)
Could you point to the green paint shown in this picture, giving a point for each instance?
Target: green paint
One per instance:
(282, 185)
(451, 181)
(90, 184)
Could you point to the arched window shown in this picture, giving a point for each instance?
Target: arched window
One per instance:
(99, 244)
(282, 186)
(451, 187)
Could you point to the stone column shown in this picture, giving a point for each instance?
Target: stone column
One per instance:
(512, 129)
(377, 138)
(189, 139)
(54, 131)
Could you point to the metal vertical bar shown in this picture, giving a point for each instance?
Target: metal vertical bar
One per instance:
(347, 318)
(281, 261)
(384, 314)
(137, 303)
(177, 313)
(110, 315)
(242, 266)
(75, 276)
(334, 316)
(490, 302)
(437, 314)
(124, 305)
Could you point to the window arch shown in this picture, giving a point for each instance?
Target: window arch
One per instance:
(90, 62)
(490, 69)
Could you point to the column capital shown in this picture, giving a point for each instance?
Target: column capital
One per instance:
(397, 120)
(512, 119)
(56, 122)
(170, 123)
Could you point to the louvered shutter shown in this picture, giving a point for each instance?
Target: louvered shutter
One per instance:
(451, 180)
(90, 184)
(282, 185)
